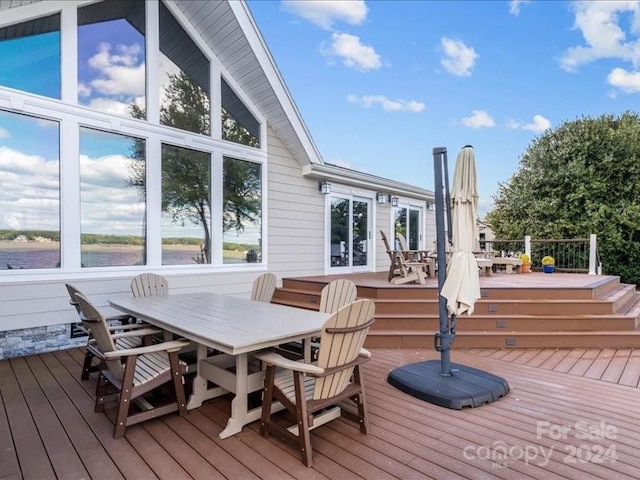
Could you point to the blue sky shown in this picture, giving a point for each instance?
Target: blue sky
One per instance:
(381, 83)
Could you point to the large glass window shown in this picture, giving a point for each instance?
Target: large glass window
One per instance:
(186, 206)
(238, 124)
(184, 78)
(112, 199)
(242, 211)
(30, 56)
(29, 192)
(111, 57)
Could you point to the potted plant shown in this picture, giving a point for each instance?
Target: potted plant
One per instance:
(548, 264)
(526, 263)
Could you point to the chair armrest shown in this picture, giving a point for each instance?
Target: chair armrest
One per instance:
(143, 332)
(169, 347)
(128, 326)
(277, 360)
(365, 353)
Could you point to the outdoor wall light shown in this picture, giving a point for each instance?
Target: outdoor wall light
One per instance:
(394, 201)
(381, 197)
(324, 187)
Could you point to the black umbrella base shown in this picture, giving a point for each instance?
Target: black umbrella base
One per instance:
(465, 387)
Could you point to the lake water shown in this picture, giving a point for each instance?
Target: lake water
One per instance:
(33, 257)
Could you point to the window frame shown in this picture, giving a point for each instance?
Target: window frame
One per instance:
(71, 116)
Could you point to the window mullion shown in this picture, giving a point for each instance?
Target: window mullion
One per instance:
(70, 193)
(69, 54)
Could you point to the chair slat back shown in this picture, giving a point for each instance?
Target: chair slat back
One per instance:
(385, 240)
(95, 322)
(343, 336)
(402, 241)
(264, 287)
(337, 294)
(72, 296)
(149, 285)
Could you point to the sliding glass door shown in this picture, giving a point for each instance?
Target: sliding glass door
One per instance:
(350, 233)
(408, 222)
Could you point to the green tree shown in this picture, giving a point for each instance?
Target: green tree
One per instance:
(186, 173)
(582, 177)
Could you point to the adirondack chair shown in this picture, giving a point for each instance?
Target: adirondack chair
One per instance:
(264, 287)
(424, 256)
(149, 285)
(333, 297)
(402, 270)
(134, 372)
(129, 335)
(306, 389)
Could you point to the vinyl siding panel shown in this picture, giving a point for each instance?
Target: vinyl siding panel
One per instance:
(295, 216)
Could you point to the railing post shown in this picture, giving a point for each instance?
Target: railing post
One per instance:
(593, 245)
(527, 245)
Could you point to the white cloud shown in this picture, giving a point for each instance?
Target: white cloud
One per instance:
(84, 90)
(30, 191)
(514, 6)
(604, 37)
(479, 119)
(353, 52)
(4, 133)
(325, 13)
(459, 58)
(122, 72)
(539, 124)
(628, 82)
(386, 103)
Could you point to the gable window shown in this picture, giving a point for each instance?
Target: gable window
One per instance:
(30, 193)
(184, 79)
(238, 124)
(111, 57)
(30, 53)
(112, 199)
(242, 211)
(186, 206)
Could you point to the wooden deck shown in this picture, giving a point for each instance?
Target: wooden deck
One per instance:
(555, 423)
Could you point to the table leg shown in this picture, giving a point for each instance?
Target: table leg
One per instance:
(199, 382)
(239, 404)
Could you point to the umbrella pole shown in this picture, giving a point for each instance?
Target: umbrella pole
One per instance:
(444, 338)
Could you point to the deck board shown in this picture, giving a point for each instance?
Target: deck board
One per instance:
(408, 439)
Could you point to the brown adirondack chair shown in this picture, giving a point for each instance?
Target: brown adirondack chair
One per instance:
(402, 270)
(126, 335)
(308, 390)
(424, 256)
(132, 373)
(264, 287)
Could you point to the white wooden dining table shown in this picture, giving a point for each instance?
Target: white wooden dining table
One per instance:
(231, 325)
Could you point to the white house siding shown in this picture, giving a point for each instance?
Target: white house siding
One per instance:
(383, 222)
(295, 216)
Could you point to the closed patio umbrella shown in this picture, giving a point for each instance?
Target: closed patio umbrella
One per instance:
(462, 285)
(436, 381)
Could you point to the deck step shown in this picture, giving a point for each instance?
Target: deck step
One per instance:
(515, 311)
(543, 339)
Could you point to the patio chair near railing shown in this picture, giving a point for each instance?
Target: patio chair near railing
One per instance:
(132, 373)
(311, 391)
